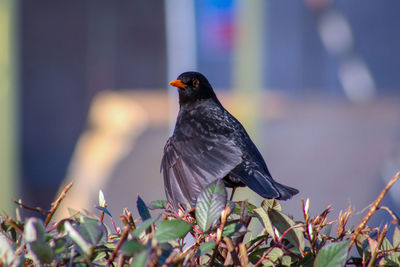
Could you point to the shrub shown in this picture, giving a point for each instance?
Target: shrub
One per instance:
(217, 228)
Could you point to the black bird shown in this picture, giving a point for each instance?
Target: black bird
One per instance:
(208, 143)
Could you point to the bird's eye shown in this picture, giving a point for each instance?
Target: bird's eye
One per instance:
(196, 83)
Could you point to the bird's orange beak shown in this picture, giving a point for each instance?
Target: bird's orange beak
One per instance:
(178, 83)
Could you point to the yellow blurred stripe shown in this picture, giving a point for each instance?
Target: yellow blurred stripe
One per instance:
(8, 104)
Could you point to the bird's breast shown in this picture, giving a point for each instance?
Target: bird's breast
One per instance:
(205, 121)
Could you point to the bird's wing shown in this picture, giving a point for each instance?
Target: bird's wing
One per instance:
(191, 163)
(258, 181)
(261, 182)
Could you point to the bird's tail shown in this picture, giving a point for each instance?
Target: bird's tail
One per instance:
(285, 191)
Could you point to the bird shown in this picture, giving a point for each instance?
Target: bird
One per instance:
(208, 144)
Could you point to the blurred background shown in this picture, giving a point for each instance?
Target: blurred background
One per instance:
(85, 98)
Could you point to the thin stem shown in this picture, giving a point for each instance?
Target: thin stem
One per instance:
(121, 241)
(57, 203)
(233, 192)
(394, 216)
(373, 208)
(375, 254)
(39, 210)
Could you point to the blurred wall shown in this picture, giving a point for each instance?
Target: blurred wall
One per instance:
(74, 49)
(70, 51)
(295, 57)
(9, 164)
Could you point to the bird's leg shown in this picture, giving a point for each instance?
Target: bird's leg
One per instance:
(233, 192)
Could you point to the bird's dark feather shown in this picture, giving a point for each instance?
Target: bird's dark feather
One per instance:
(192, 161)
(208, 143)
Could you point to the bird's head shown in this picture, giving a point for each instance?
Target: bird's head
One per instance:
(193, 87)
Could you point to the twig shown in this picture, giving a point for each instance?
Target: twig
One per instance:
(244, 259)
(278, 244)
(121, 241)
(394, 216)
(57, 203)
(102, 216)
(375, 254)
(71, 258)
(18, 252)
(281, 246)
(372, 210)
(14, 225)
(256, 244)
(174, 259)
(232, 251)
(63, 220)
(120, 262)
(284, 234)
(39, 210)
(306, 228)
(390, 250)
(233, 192)
(264, 254)
(115, 227)
(264, 259)
(224, 215)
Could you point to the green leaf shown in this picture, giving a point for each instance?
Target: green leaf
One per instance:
(131, 247)
(234, 230)
(34, 230)
(265, 220)
(142, 208)
(266, 263)
(40, 251)
(256, 255)
(60, 246)
(7, 252)
(307, 260)
(170, 230)
(99, 257)
(93, 231)
(205, 248)
(396, 237)
(77, 238)
(332, 255)
(210, 203)
(392, 257)
(140, 259)
(102, 200)
(384, 261)
(268, 204)
(146, 224)
(286, 260)
(282, 222)
(250, 208)
(296, 250)
(158, 204)
(275, 254)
